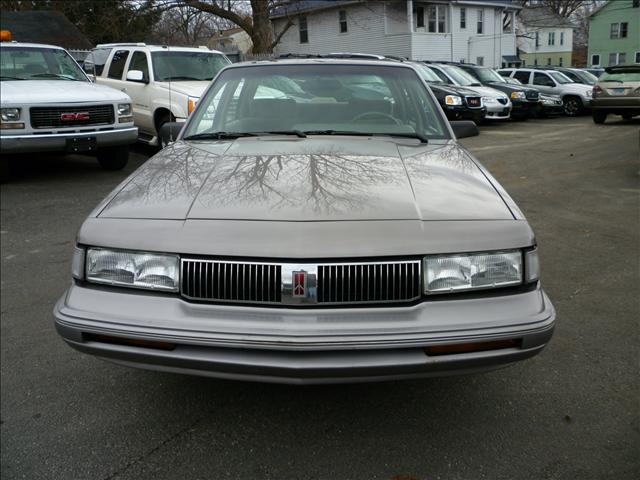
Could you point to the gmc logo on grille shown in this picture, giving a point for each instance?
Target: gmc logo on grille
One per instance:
(74, 117)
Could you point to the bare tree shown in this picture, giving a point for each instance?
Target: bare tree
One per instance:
(188, 26)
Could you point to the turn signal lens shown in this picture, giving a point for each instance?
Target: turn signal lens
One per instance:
(193, 101)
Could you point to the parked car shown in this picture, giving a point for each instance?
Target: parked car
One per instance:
(332, 240)
(497, 103)
(578, 75)
(576, 97)
(49, 105)
(617, 92)
(551, 105)
(165, 83)
(597, 72)
(458, 103)
(525, 101)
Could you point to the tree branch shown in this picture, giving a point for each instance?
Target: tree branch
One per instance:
(279, 36)
(221, 12)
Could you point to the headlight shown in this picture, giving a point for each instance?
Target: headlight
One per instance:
(124, 109)
(518, 96)
(453, 100)
(132, 269)
(488, 100)
(588, 93)
(191, 104)
(10, 114)
(454, 273)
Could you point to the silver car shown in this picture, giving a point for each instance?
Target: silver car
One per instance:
(345, 238)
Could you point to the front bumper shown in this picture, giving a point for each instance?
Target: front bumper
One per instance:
(498, 111)
(56, 142)
(462, 112)
(304, 345)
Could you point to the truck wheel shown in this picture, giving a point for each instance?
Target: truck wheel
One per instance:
(164, 118)
(627, 117)
(113, 158)
(572, 106)
(599, 117)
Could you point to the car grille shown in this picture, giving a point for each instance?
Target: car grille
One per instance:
(369, 282)
(532, 95)
(335, 283)
(502, 100)
(474, 102)
(51, 117)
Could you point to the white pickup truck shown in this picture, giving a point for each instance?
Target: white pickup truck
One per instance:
(165, 83)
(48, 104)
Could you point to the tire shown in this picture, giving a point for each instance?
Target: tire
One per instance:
(627, 117)
(162, 119)
(599, 117)
(572, 106)
(113, 158)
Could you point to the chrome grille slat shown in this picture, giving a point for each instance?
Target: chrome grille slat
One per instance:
(338, 283)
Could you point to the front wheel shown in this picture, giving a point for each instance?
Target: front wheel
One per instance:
(113, 158)
(572, 106)
(599, 117)
(627, 117)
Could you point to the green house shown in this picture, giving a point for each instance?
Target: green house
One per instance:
(614, 34)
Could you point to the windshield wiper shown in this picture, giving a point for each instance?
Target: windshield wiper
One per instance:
(54, 75)
(219, 135)
(179, 77)
(297, 133)
(419, 136)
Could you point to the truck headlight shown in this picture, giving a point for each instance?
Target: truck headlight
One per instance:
(124, 113)
(518, 96)
(154, 271)
(588, 93)
(191, 104)
(453, 100)
(471, 271)
(10, 114)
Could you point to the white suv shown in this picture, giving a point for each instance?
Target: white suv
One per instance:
(576, 97)
(165, 83)
(49, 105)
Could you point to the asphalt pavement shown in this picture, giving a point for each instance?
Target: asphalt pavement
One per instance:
(572, 412)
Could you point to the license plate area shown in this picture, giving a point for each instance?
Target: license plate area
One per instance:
(618, 91)
(81, 144)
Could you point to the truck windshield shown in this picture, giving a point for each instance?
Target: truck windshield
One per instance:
(36, 63)
(459, 76)
(181, 65)
(489, 75)
(561, 78)
(327, 100)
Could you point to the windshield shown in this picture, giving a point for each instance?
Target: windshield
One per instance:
(35, 63)
(560, 77)
(628, 76)
(489, 75)
(459, 76)
(427, 74)
(178, 66)
(586, 77)
(318, 99)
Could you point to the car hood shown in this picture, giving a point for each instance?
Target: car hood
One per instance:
(452, 89)
(487, 91)
(191, 88)
(31, 92)
(312, 179)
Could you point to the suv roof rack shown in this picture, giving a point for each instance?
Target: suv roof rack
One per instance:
(344, 55)
(123, 44)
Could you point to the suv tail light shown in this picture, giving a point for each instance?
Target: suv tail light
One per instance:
(597, 89)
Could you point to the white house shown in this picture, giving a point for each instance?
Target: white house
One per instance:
(544, 38)
(475, 31)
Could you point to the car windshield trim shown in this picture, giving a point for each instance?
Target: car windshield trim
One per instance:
(346, 133)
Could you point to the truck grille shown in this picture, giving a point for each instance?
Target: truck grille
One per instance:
(339, 283)
(474, 102)
(71, 116)
(532, 95)
(369, 282)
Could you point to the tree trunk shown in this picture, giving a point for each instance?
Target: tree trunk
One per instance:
(262, 35)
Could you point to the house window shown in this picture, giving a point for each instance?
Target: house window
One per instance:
(561, 38)
(619, 30)
(548, 61)
(437, 15)
(480, 61)
(463, 18)
(595, 60)
(420, 17)
(636, 3)
(552, 38)
(535, 62)
(637, 57)
(507, 22)
(303, 29)
(624, 27)
(342, 16)
(613, 59)
(560, 62)
(480, 21)
(537, 39)
(622, 58)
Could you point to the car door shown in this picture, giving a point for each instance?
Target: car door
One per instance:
(115, 73)
(524, 76)
(544, 83)
(141, 91)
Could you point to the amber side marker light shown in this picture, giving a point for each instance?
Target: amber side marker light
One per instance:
(131, 342)
(471, 347)
(5, 36)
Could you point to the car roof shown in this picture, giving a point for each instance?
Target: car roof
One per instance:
(158, 48)
(323, 61)
(30, 45)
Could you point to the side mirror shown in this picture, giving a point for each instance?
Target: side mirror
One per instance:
(464, 128)
(169, 131)
(135, 76)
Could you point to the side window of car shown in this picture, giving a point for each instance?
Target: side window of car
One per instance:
(522, 76)
(442, 76)
(572, 76)
(542, 80)
(139, 62)
(95, 61)
(118, 62)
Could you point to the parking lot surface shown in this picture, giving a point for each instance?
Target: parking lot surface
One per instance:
(570, 413)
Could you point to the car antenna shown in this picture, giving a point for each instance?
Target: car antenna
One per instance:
(171, 129)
